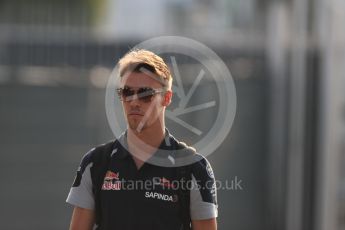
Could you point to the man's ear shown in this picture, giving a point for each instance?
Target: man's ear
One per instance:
(167, 98)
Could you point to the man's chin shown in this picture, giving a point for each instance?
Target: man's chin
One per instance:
(135, 126)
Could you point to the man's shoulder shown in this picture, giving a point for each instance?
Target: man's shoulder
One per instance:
(97, 152)
(103, 147)
(182, 146)
(190, 155)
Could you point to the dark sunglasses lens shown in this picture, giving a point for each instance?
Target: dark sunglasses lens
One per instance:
(145, 94)
(127, 92)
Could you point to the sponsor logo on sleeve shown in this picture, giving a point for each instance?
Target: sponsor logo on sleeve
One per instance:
(209, 171)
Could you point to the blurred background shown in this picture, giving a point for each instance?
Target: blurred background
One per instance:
(287, 143)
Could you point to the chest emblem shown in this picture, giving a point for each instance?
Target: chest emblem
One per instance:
(165, 183)
(111, 181)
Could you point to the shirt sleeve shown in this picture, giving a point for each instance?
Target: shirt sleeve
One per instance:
(81, 194)
(203, 194)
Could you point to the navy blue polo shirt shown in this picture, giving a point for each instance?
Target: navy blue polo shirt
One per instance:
(148, 197)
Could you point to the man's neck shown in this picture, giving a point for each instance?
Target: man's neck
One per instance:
(142, 145)
(151, 137)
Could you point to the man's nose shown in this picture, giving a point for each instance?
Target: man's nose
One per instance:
(134, 100)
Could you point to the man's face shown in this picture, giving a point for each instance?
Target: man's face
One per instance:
(143, 113)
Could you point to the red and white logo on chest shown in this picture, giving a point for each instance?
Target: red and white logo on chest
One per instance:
(111, 181)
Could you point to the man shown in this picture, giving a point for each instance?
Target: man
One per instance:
(108, 203)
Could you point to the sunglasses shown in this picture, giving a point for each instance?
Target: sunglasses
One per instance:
(144, 94)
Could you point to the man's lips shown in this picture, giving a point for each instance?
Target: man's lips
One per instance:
(136, 114)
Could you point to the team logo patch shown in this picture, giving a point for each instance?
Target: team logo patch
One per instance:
(111, 175)
(209, 171)
(164, 182)
(111, 181)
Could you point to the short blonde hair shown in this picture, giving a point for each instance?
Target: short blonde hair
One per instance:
(134, 59)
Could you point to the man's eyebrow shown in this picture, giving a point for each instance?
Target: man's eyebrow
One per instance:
(132, 87)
